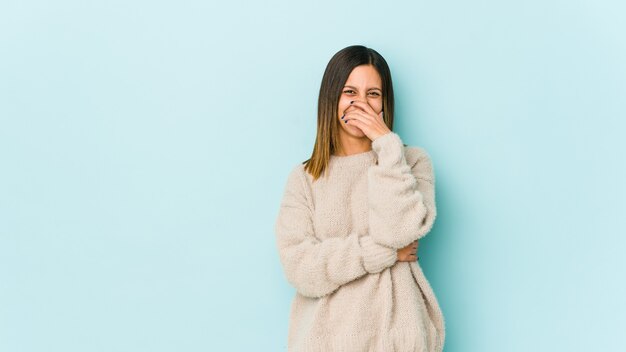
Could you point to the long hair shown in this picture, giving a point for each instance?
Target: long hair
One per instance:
(335, 76)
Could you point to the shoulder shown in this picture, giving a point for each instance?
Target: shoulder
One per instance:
(298, 178)
(420, 162)
(416, 154)
(296, 174)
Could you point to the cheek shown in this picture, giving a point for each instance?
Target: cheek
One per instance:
(376, 104)
(343, 105)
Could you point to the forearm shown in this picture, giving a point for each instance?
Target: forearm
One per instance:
(401, 194)
(314, 266)
(317, 268)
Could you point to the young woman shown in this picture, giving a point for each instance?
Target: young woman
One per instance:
(350, 220)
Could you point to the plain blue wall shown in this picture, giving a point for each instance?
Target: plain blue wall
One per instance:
(144, 148)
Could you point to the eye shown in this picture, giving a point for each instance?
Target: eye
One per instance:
(375, 94)
(348, 91)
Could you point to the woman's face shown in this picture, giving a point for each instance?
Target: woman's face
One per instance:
(363, 84)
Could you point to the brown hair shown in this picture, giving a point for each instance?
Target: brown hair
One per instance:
(335, 76)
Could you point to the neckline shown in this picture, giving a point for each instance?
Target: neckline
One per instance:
(362, 158)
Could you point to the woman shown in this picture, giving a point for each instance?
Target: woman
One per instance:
(350, 220)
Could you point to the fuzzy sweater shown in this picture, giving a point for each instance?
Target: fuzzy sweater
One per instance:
(337, 240)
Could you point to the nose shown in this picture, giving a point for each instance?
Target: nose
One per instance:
(360, 98)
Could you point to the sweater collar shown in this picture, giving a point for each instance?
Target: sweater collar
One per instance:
(359, 159)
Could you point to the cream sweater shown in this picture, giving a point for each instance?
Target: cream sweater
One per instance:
(338, 238)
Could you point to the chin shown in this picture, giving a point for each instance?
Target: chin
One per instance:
(355, 132)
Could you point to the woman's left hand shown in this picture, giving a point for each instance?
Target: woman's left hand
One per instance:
(366, 119)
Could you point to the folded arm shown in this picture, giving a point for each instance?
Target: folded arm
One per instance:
(401, 194)
(319, 267)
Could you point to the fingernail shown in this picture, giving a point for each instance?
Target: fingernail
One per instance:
(343, 115)
(346, 121)
(352, 102)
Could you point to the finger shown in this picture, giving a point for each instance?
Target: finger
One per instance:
(364, 106)
(357, 115)
(351, 108)
(358, 124)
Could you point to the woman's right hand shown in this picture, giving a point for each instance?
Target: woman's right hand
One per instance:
(408, 253)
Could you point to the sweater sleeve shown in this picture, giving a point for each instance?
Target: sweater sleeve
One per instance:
(401, 195)
(319, 267)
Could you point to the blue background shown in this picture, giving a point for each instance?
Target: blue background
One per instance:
(144, 148)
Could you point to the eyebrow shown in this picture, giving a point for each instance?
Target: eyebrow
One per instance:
(367, 89)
